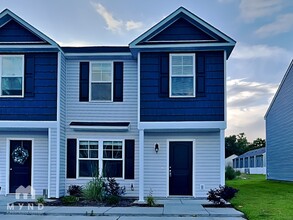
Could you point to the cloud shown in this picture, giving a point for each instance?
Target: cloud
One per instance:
(283, 24)
(114, 24)
(246, 52)
(244, 94)
(253, 9)
(131, 25)
(247, 103)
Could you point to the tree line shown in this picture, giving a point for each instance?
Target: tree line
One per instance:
(238, 144)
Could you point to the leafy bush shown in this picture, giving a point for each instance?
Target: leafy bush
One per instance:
(75, 190)
(230, 173)
(95, 189)
(113, 200)
(41, 200)
(113, 188)
(238, 173)
(221, 195)
(150, 199)
(69, 200)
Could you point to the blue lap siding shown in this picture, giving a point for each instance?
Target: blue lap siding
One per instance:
(15, 33)
(208, 105)
(174, 32)
(40, 94)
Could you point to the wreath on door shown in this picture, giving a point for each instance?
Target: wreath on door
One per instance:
(20, 155)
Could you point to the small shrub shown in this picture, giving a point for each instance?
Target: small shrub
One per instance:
(150, 199)
(113, 188)
(75, 190)
(69, 200)
(238, 173)
(230, 173)
(113, 200)
(95, 189)
(41, 200)
(221, 195)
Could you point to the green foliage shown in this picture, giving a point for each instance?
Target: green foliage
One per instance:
(113, 200)
(238, 173)
(113, 188)
(95, 189)
(41, 200)
(238, 144)
(150, 199)
(262, 199)
(257, 143)
(230, 173)
(69, 200)
(221, 195)
(75, 190)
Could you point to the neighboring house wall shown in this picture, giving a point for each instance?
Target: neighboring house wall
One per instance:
(279, 131)
(229, 160)
(156, 105)
(251, 162)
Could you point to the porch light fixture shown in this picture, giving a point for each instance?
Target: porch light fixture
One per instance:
(157, 148)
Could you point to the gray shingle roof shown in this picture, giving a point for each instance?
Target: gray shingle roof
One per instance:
(255, 152)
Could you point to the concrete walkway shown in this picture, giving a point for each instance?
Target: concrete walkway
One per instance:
(172, 209)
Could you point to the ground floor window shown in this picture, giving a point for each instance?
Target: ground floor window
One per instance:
(259, 161)
(101, 157)
(252, 161)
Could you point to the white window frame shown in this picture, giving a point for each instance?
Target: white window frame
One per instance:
(112, 81)
(115, 159)
(22, 89)
(86, 159)
(193, 75)
(100, 157)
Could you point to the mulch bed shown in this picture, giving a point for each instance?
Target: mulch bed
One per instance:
(125, 202)
(217, 206)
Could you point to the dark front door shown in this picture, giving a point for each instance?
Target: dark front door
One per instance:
(20, 164)
(180, 168)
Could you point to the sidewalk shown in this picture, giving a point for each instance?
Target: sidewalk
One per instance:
(172, 208)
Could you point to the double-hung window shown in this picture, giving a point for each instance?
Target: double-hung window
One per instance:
(88, 158)
(182, 75)
(101, 157)
(12, 75)
(113, 158)
(101, 81)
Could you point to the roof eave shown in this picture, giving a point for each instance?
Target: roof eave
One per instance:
(278, 90)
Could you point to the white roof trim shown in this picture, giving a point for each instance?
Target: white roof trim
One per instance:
(29, 27)
(173, 15)
(279, 88)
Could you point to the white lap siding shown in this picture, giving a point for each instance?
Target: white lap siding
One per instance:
(39, 153)
(125, 111)
(206, 169)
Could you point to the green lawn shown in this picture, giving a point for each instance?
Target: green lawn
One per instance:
(262, 199)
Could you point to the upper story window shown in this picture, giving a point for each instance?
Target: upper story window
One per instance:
(101, 81)
(12, 75)
(182, 75)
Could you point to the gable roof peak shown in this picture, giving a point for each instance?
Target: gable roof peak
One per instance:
(216, 38)
(26, 25)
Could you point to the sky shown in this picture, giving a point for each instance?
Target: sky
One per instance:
(263, 30)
